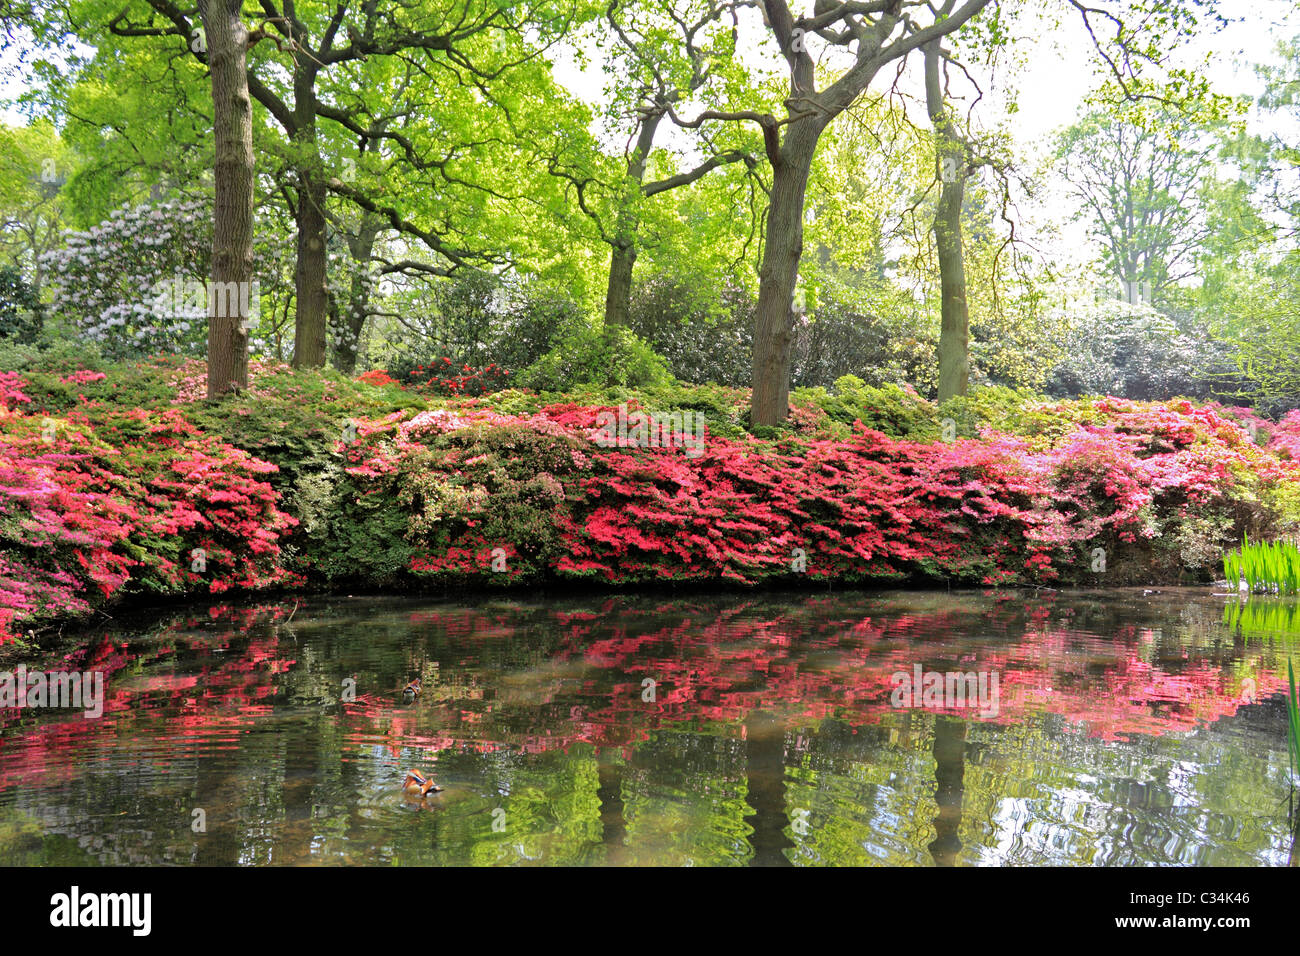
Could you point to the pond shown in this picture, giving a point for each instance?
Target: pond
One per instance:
(1111, 728)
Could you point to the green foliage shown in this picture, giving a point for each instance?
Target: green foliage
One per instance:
(1270, 618)
(586, 355)
(897, 411)
(1292, 720)
(704, 337)
(867, 329)
(1015, 411)
(724, 408)
(1137, 166)
(46, 355)
(1257, 315)
(298, 421)
(20, 308)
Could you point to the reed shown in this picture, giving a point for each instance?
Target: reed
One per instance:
(1267, 567)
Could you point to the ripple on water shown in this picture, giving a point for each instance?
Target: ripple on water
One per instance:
(691, 731)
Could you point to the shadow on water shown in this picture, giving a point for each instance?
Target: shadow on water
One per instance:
(1130, 728)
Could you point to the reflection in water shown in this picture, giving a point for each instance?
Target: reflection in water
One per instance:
(765, 790)
(949, 769)
(227, 738)
(613, 825)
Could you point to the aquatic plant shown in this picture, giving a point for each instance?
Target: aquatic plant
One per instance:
(1271, 566)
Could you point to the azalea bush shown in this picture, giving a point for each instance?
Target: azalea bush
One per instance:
(106, 500)
(443, 377)
(111, 476)
(1158, 488)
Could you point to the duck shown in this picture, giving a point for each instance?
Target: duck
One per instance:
(418, 784)
(411, 691)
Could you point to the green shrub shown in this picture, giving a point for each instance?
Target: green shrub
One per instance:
(513, 401)
(898, 412)
(21, 316)
(595, 356)
(1010, 410)
(50, 355)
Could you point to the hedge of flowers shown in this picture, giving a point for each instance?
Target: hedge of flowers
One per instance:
(508, 498)
(105, 500)
(311, 479)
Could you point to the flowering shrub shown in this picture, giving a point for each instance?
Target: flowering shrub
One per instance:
(107, 500)
(1147, 484)
(315, 476)
(442, 377)
(377, 376)
(1286, 436)
(105, 279)
(136, 283)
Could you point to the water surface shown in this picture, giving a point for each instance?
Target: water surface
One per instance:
(1132, 729)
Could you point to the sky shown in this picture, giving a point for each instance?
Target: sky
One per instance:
(1056, 75)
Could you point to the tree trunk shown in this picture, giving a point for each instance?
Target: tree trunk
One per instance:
(357, 308)
(310, 294)
(952, 160)
(232, 225)
(783, 245)
(613, 821)
(618, 294)
(765, 789)
(954, 328)
(949, 775)
(618, 297)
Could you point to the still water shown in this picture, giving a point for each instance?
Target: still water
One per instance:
(1131, 728)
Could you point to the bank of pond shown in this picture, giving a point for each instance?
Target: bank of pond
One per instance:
(120, 483)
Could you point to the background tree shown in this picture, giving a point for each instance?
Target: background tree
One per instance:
(1137, 169)
(35, 168)
(667, 52)
(954, 159)
(884, 31)
(321, 47)
(21, 314)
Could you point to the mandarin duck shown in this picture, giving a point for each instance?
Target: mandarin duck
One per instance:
(417, 784)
